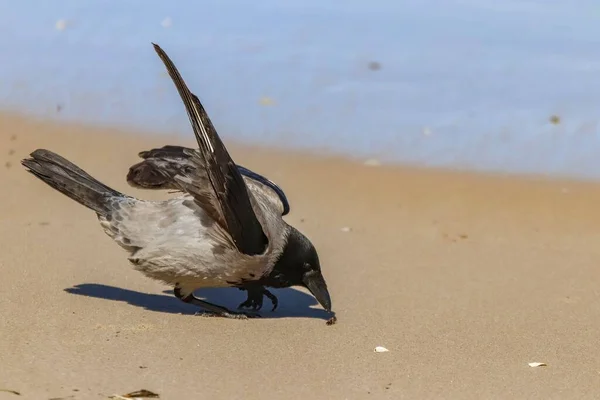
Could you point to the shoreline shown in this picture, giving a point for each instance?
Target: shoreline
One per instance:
(155, 138)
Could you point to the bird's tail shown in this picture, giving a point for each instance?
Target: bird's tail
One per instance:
(71, 180)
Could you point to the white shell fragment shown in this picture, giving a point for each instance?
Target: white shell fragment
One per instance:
(537, 364)
(346, 229)
(380, 349)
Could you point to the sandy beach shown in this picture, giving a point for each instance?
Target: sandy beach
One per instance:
(465, 278)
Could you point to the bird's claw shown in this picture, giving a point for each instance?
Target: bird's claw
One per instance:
(255, 299)
(230, 315)
(273, 299)
(251, 303)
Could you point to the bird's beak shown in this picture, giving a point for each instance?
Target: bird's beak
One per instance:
(315, 282)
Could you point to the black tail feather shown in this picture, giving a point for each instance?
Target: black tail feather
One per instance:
(70, 180)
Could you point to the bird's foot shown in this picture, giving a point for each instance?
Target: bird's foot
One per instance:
(228, 314)
(210, 309)
(255, 298)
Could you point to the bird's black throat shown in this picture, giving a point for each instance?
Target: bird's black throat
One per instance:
(291, 265)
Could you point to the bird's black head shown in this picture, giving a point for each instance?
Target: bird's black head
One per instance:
(299, 265)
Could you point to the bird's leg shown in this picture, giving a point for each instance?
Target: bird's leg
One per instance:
(255, 298)
(271, 297)
(213, 309)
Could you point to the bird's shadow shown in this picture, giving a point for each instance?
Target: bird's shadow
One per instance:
(292, 302)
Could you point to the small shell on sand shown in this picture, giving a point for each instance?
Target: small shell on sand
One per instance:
(380, 349)
(537, 364)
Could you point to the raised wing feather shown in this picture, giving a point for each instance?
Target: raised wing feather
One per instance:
(228, 202)
(160, 166)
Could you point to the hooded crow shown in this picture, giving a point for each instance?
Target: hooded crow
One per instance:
(224, 231)
(158, 170)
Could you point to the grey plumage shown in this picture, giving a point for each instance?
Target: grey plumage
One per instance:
(160, 166)
(225, 230)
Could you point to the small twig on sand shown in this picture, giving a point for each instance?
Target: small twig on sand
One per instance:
(10, 391)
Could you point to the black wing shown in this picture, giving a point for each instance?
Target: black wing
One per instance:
(160, 166)
(232, 208)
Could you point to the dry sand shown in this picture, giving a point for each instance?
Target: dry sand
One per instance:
(464, 278)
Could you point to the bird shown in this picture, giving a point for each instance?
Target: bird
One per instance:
(157, 171)
(223, 231)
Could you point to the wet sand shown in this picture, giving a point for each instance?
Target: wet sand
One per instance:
(465, 278)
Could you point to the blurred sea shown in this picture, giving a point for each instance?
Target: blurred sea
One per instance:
(506, 85)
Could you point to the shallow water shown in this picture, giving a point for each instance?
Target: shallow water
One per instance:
(473, 84)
